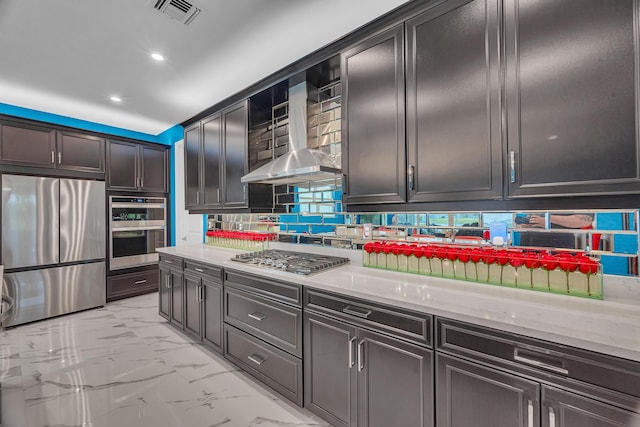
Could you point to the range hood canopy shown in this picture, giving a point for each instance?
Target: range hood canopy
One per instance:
(300, 164)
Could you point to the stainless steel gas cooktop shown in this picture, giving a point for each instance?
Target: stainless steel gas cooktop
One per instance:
(293, 262)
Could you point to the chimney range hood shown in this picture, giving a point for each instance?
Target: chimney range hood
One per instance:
(300, 164)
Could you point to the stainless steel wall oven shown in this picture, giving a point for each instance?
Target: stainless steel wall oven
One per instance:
(137, 226)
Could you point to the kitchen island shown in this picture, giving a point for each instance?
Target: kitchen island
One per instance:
(351, 343)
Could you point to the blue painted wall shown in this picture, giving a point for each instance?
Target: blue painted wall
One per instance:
(168, 137)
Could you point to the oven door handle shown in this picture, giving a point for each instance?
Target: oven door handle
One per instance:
(142, 227)
(138, 205)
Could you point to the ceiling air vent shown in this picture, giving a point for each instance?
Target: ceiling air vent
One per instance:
(179, 10)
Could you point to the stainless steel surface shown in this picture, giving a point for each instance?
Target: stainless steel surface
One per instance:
(293, 262)
(552, 418)
(360, 356)
(82, 220)
(356, 311)
(351, 361)
(48, 292)
(538, 363)
(133, 261)
(137, 226)
(30, 221)
(529, 413)
(258, 360)
(300, 163)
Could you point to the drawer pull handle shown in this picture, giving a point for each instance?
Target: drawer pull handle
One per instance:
(168, 261)
(199, 270)
(537, 363)
(257, 316)
(140, 282)
(257, 359)
(351, 361)
(356, 311)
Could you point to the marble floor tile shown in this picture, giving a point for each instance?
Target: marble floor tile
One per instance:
(123, 365)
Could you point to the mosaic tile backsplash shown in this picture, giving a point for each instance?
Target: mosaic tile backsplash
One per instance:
(611, 235)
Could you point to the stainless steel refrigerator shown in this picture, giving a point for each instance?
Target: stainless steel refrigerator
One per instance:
(53, 246)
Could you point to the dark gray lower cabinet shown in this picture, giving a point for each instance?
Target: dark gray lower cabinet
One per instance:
(357, 377)
(164, 293)
(176, 302)
(212, 314)
(192, 305)
(565, 409)
(170, 289)
(330, 380)
(469, 394)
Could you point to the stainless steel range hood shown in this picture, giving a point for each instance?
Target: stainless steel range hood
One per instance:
(300, 164)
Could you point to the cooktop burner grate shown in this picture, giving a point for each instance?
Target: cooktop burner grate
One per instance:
(293, 262)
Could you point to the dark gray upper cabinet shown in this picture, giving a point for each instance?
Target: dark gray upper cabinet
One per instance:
(192, 166)
(472, 395)
(216, 157)
(373, 122)
(80, 152)
(454, 149)
(571, 93)
(136, 167)
(235, 136)
(24, 144)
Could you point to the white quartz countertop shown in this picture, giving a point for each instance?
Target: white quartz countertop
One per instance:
(609, 327)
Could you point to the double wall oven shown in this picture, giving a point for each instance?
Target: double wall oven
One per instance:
(137, 226)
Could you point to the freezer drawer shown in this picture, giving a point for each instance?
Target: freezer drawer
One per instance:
(48, 292)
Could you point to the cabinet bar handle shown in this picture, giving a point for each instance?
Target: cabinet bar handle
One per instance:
(538, 363)
(139, 282)
(345, 184)
(169, 281)
(552, 418)
(257, 359)
(257, 316)
(168, 261)
(360, 356)
(512, 167)
(530, 414)
(197, 197)
(141, 182)
(410, 173)
(53, 157)
(202, 295)
(351, 361)
(199, 270)
(364, 313)
(60, 157)
(218, 195)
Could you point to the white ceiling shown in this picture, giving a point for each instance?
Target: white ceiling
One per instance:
(68, 57)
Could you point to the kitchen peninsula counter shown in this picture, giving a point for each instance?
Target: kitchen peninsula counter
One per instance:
(609, 327)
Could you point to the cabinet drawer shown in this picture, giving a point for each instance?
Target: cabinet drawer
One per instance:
(415, 327)
(171, 261)
(562, 364)
(285, 292)
(276, 323)
(277, 369)
(213, 273)
(132, 284)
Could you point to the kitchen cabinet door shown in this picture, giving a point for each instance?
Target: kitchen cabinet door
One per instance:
(572, 97)
(211, 154)
(122, 165)
(164, 292)
(565, 409)
(177, 298)
(27, 145)
(454, 145)
(212, 314)
(192, 166)
(373, 119)
(80, 152)
(395, 382)
(470, 394)
(153, 169)
(192, 306)
(235, 137)
(330, 371)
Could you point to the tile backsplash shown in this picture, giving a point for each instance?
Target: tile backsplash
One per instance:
(611, 235)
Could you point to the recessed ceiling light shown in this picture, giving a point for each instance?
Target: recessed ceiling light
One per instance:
(115, 98)
(157, 56)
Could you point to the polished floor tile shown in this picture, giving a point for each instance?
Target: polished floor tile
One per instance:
(123, 365)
